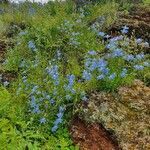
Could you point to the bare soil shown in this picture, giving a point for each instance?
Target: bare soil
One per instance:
(91, 136)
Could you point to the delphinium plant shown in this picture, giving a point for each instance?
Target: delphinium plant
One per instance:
(118, 64)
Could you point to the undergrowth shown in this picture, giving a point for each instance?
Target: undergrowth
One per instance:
(60, 54)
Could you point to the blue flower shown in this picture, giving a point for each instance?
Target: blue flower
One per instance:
(101, 34)
(139, 41)
(60, 115)
(24, 78)
(146, 64)
(54, 128)
(53, 72)
(114, 39)
(71, 79)
(48, 97)
(100, 77)
(105, 71)
(52, 101)
(129, 57)
(92, 52)
(69, 86)
(33, 102)
(84, 98)
(36, 109)
(93, 65)
(117, 53)
(31, 45)
(73, 91)
(34, 89)
(6, 83)
(61, 109)
(22, 33)
(138, 67)
(78, 20)
(111, 45)
(140, 56)
(41, 99)
(123, 73)
(42, 120)
(86, 75)
(107, 36)
(101, 64)
(112, 76)
(125, 29)
(58, 120)
(88, 62)
(58, 54)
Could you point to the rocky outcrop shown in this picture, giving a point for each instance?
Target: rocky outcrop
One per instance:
(125, 113)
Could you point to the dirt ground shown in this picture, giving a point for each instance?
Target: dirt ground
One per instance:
(91, 136)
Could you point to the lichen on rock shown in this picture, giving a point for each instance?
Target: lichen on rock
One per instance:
(126, 113)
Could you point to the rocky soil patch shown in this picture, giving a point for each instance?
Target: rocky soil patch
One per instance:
(126, 114)
(91, 136)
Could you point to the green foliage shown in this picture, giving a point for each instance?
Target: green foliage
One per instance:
(4, 100)
(146, 2)
(47, 38)
(17, 133)
(19, 136)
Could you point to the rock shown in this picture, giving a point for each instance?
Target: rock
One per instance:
(126, 113)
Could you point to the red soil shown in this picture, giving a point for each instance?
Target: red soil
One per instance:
(91, 136)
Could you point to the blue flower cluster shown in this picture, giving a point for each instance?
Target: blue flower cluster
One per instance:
(59, 119)
(59, 89)
(101, 65)
(34, 105)
(117, 53)
(32, 46)
(125, 29)
(53, 72)
(43, 120)
(124, 72)
(71, 81)
(58, 55)
(40, 101)
(87, 75)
